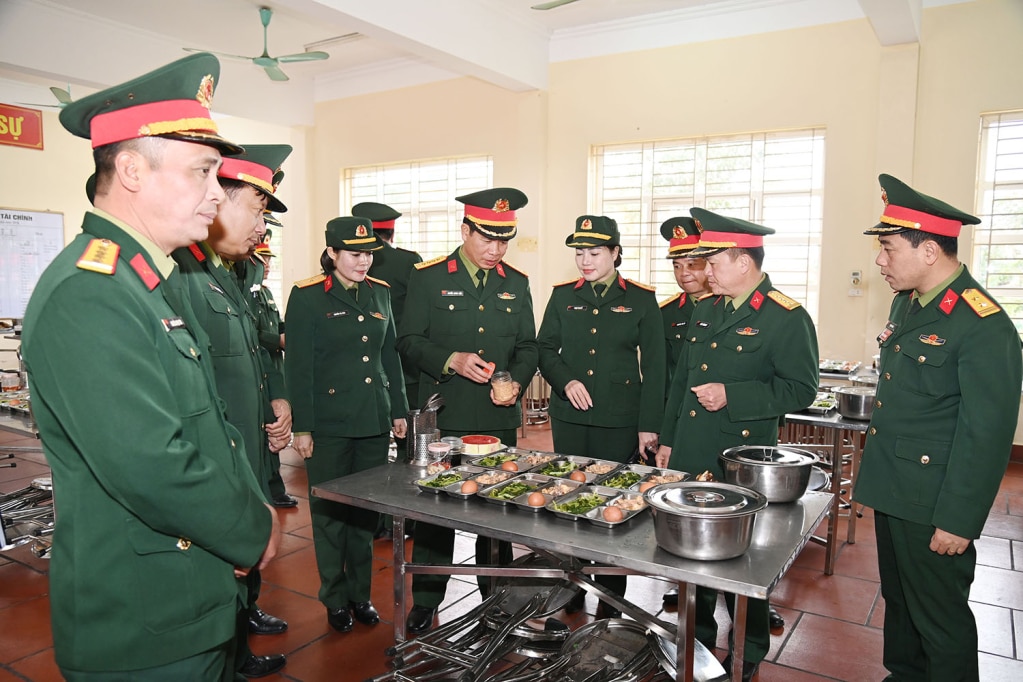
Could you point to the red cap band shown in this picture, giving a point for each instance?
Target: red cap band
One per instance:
(901, 216)
(155, 118)
(730, 240)
(383, 224)
(247, 171)
(489, 217)
(689, 242)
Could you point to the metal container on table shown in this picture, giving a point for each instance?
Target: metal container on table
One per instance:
(708, 521)
(856, 402)
(422, 421)
(780, 473)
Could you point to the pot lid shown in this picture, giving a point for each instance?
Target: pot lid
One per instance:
(857, 390)
(763, 454)
(691, 498)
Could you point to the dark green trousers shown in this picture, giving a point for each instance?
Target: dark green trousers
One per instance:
(250, 586)
(930, 633)
(342, 534)
(758, 624)
(436, 545)
(276, 482)
(209, 666)
(613, 443)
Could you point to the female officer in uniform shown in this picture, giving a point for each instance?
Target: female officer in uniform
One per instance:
(344, 370)
(602, 351)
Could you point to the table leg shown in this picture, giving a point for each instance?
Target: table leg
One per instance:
(738, 638)
(834, 442)
(398, 557)
(854, 468)
(685, 636)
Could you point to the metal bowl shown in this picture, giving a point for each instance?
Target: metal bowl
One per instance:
(856, 402)
(780, 473)
(707, 521)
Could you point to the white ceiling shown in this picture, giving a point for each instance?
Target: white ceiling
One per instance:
(90, 44)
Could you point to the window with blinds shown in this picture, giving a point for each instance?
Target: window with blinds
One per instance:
(273, 280)
(424, 192)
(998, 240)
(774, 179)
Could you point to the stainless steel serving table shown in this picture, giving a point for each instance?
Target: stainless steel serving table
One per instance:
(781, 531)
(829, 431)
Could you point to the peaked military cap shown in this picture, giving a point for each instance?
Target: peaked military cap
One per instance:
(492, 211)
(594, 230)
(719, 233)
(349, 233)
(263, 250)
(257, 166)
(382, 215)
(907, 209)
(682, 234)
(172, 102)
(270, 219)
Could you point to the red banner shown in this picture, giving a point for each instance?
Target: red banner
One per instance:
(21, 127)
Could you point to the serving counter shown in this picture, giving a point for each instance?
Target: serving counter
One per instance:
(780, 533)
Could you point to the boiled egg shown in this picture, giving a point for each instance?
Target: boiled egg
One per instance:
(536, 500)
(613, 514)
(509, 466)
(470, 487)
(578, 476)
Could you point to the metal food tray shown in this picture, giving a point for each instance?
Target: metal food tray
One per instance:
(596, 516)
(534, 481)
(456, 490)
(608, 494)
(544, 458)
(580, 464)
(614, 465)
(829, 398)
(639, 469)
(504, 455)
(662, 472)
(465, 472)
(548, 480)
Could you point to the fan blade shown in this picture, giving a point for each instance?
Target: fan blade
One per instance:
(219, 54)
(41, 106)
(304, 57)
(552, 4)
(63, 96)
(275, 72)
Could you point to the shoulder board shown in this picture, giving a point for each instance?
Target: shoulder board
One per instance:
(981, 304)
(408, 251)
(567, 281)
(100, 256)
(669, 301)
(704, 297)
(783, 300)
(513, 268)
(309, 281)
(642, 286)
(432, 261)
(378, 281)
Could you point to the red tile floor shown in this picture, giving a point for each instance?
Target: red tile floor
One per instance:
(832, 627)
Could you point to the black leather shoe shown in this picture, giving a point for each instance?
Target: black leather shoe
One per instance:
(671, 597)
(420, 619)
(284, 501)
(775, 619)
(607, 611)
(748, 669)
(340, 619)
(261, 666)
(577, 603)
(364, 612)
(262, 623)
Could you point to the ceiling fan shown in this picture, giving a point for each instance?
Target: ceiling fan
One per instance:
(63, 98)
(552, 4)
(272, 64)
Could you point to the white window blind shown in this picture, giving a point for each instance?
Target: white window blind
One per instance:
(774, 179)
(998, 240)
(424, 192)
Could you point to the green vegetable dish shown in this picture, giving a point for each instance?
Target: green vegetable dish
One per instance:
(562, 468)
(626, 479)
(442, 481)
(579, 505)
(510, 491)
(494, 460)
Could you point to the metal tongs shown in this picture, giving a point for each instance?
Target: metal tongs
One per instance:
(433, 403)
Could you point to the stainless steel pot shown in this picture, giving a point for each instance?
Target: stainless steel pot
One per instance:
(708, 521)
(856, 402)
(780, 473)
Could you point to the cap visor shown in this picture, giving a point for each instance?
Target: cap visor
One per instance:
(704, 251)
(209, 139)
(885, 228)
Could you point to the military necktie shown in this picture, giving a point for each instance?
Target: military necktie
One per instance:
(598, 289)
(480, 275)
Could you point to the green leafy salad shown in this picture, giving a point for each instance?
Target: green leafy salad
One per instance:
(494, 460)
(626, 479)
(579, 505)
(558, 468)
(442, 481)
(511, 490)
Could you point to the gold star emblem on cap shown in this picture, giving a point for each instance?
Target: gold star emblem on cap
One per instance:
(360, 231)
(678, 232)
(884, 196)
(205, 92)
(500, 206)
(699, 225)
(587, 225)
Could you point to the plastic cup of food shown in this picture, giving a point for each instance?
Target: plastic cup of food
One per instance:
(440, 453)
(502, 385)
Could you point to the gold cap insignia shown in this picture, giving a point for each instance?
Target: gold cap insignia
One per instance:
(884, 196)
(678, 232)
(699, 225)
(360, 231)
(587, 225)
(205, 93)
(500, 206)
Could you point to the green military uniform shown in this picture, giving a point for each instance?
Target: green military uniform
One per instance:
(765, 354)
(683, 236)
(445, 312)
(345, 379)
(937, 448)
(157, 502)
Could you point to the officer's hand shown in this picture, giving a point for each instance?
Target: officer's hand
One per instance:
(304, 445)
(282, 341)
(711, 396)
(944, 542)
(516, 389)
(274, 543)
(399, 426)
(647, 441)
(470, 366)
(578, 395)
(662, 457)
(278, 444)
(282, 427)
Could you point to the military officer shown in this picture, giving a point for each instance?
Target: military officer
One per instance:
(750, 358)
(466, 315)
(691, 276)
(940, 435)
(146, 467)
(602, 352)
(345, 377)
(246, 379)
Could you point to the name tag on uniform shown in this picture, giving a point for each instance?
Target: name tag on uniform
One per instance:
(576, 307)
(451, 292)
(886, 333)
(338, 313)
(172, 323)
(702, 325)
(678, 324)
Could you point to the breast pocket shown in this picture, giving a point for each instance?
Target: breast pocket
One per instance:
(188, 379)
(920, 467)
(741, 357)
(224, 325)
(927, 369)
(453, 316)
(506, 317)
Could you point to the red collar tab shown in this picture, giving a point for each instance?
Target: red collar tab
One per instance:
(621, 282)
(682, 299)
(247, 171)
(452, 266)
(197, 252)
(154, 118)
(900, 216)
(580, 283)
(730, 240)
(145, 273)
(756, 300)
(328, 283)
(500, 269)
(948, 301)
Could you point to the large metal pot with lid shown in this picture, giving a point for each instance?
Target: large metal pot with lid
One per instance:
(708, 521)
(856, 402)
(780, 473)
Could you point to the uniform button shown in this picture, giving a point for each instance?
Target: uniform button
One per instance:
(330, 391)
(593, 330)
(451, 306)
(481, 330)
(192, 351)
(628, 381)
(361, 318)
(589, 372)
(365, 339)
(692, 413)
(369, 380)
(888, 376)
(738, 349)
(897, 348)
(703, 367)
(596, 312)
(877, 403)
(593, 351)
(365, 358)
(713, 344)
(481, 308)
(232, 442)
(261, 387)
(873, 431)
(184, 544)
(228, 308)
(925, 459)
(693, 339)
(480, 351)
(745, 433)
(678, 336)
(922, 359)
(507, 310)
